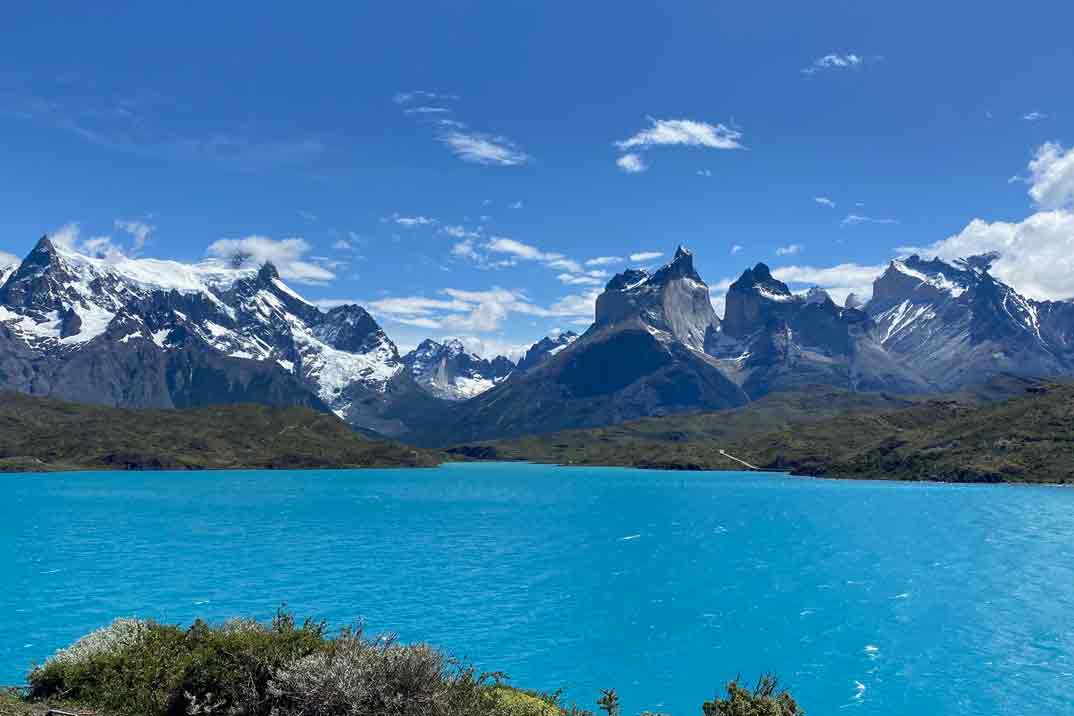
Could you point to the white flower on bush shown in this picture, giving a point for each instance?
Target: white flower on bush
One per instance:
(119, 635)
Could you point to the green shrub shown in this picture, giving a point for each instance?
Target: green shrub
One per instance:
(766, 699)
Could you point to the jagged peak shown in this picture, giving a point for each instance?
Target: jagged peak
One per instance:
(627, 279)
(759, 280)
(267, 272)
(44, 245)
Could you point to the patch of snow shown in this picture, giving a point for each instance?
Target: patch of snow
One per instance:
(287, 365)
(161, 337)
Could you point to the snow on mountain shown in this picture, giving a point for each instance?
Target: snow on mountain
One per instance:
(59, 299)
(447, 370)
(545, 349)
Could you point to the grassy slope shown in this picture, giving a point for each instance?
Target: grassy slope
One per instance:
(684, 441)
(1029, 438)
(44, 434)
(983, 435)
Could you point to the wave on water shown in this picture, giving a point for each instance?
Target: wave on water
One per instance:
(628, 538)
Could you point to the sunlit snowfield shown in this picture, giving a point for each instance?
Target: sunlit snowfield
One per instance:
(882, 598)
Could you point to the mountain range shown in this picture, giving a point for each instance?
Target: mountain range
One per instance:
(146, 333)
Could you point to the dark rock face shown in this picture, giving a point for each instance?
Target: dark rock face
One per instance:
(447, 370)
(544, 349)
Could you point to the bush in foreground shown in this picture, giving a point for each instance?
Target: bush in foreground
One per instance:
(244, 668)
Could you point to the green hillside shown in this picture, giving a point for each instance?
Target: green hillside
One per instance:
(1010, 430)
(44, 434)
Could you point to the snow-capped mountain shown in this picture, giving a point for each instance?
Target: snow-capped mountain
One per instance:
(63, 308)
(544, 349)
(447, 370)
(956, 324)
(774, 339)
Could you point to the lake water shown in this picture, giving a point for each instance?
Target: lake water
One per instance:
(880, 598)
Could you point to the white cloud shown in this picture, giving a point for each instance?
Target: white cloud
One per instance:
(642, 256)
(1034, 116)
(839, 281)
(1052, 176)
(491, 347)
(423, 95)
(343, 245)
(412, 221)
(631, 163)
(479, 311)
(1036, 254)
(578, 280)
(479, 148)
(288, 255)
(466, 250)
(425, 109)
(833, 61)
(139, 231)
(789, 250)
(604, 261)
(515, 205)
(824, 201)
(8, 260)
(69, 236)
(736, 249)
(684, 132)
(527, 252)
(858, 219)
(704, 172)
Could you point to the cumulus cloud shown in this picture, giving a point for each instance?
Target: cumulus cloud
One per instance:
(683, 132)
(69, 236)
(8, 260)
(1052, 177)
(789, 250)
(481, 148)
(491, 347)
(858, 219)
(833, 62)
(139, 231)
(824, 201)
(287, 255)
(631, 163)
(642, 256)
(736, 249)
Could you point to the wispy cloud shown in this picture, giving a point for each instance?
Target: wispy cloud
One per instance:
(424, 109)
(833, 62)
(604, 261)
(139, 231)
(307, 215)
(643, 256)
(858, 219)
(130, 127)
(824, 201)
(631, 163)
(736, 249)
(528, 252)
(476, 311)
(422, 96)
(411, 222)
(704, 172)
(1034, 116)
(480, 148)
(683, 132)
(789, 250)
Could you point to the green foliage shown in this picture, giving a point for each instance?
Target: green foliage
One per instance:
(1010, 430)
(766, 699)
(244, 668)
(43, 434)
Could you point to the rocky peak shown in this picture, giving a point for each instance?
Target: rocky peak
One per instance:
(447, 370)
(350, 328)
(544, 349)
(40, 283)
(919, 281)
(267, 273)
(755, 299)
(674, 300)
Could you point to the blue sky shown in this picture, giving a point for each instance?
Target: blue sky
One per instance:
(454, 166)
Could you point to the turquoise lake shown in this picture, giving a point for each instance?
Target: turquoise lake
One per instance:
(864, 597)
